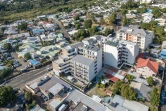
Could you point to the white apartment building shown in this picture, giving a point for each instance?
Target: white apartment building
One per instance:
(82, 60)
(121, 52)
(132, 33)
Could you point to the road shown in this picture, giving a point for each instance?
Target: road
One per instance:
(63, 30)
(163, 107)
(20, 80)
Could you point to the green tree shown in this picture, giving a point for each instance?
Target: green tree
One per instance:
(129, 77)
(108, 31)
(23, 26)
(77, 26)
(93, 30)
(76, 17)
(7, 95)
(27, 56)
(112, 18)
(150, 81)
(117, 87)
(155, 97)
(164, 10)
(156, 12)
(125, 21)
(141, 10)
(17, 47)
(7, 46)
(124, 12)
(128, 92)
(28, 96)
(5, 72)
(88, 23)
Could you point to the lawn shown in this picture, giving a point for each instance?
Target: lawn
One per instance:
(100, 91)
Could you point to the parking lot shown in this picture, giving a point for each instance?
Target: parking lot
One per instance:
(20, 60)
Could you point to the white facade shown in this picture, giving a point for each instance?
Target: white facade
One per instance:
(134, 34)
(118, 53)
(146, 1)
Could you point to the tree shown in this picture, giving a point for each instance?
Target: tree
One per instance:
(150, 81)
(27, 56)
(88, 23)
(28, 96)
(125, 21)
(7, 46)
(129, 77)
(102, 21)
(141, 10)
(23, 26)
(155, 97)
(164, 10)
(156, 12)
(77, 26)
(128, 92)
(117, 87)
(7, 95)
(108, 31)
(93, 30)
(112, 18)
(5, 72)
(76, 17)
(124, 12)
(17, 47)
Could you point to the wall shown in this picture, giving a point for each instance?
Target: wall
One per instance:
(110, 55)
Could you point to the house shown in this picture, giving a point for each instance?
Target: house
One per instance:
(37, 108)
(147, 68)
(142, 90)
(82, 101)
(146, 1)
(118, 103)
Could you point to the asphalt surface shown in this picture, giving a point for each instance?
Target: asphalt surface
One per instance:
(20, 80)
(62, 29)
(163, 107)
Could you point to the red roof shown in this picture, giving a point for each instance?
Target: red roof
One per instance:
(148, 63)
(112, 78)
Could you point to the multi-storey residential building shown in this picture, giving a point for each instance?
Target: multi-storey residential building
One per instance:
(79, 55)
(121, 52)
(132, 33)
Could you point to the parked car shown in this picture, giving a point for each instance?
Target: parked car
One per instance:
(49, 68)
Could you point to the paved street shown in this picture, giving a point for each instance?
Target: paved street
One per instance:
(163, 107)
(62, 29)
(19, 81)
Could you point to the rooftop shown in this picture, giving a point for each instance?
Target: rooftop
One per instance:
(78, 97)
(147, 62)
(82, 60)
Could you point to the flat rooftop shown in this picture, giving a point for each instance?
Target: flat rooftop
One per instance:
(82, 60)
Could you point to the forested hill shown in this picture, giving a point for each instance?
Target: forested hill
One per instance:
(18, 7)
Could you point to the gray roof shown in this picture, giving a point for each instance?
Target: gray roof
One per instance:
(135, 30)
(76, 45)
(135, 106)
(78, 97)
(120, 108)
(50, 83)
(92, 48)
(37, 108)
(82, 60)
(56, 89)
(55, 103)
(141, 89)
(118, 99)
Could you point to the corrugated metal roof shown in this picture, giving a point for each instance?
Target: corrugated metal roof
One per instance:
(77, 97)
